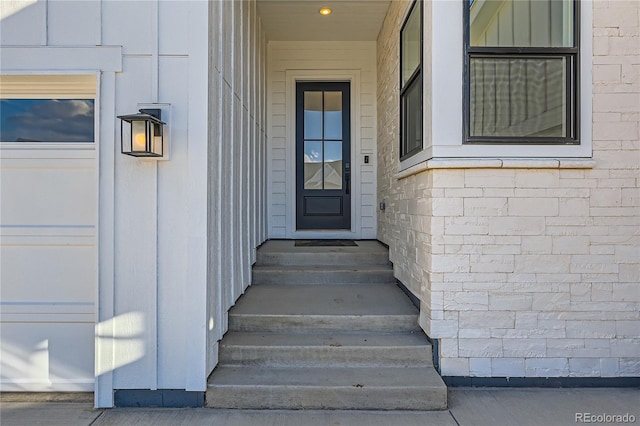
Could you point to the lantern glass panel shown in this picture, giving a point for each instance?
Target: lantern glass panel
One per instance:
(139, 136)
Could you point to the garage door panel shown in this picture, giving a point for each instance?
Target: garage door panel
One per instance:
(48, 196)
(46, 273)
(47, 356)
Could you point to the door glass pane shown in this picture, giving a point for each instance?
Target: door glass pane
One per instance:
(47, 120)
(521, 23)
(411, 44)
(312, 164)
(332, 165)
(333, 115)
(313, 115)
(518, 97)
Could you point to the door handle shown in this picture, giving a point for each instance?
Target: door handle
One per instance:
(347, 177)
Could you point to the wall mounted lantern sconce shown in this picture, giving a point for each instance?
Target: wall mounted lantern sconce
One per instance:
(143, 135)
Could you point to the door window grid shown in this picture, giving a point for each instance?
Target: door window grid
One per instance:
(323, 140)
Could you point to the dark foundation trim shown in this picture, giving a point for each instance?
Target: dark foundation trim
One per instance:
(175, 398)
(543, 382)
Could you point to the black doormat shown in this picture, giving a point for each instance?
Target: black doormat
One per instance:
(325, 243)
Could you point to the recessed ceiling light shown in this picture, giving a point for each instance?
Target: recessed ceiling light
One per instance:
(325, 11)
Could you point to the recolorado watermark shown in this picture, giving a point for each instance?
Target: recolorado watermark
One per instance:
(605, 418)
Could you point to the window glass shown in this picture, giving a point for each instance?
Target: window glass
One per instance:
(313, 115)
(333, 115)
(518, 97)
(521, 23)
(313, 164)
(333, 165)
(47, 120)
(412, 118)
(410, 42)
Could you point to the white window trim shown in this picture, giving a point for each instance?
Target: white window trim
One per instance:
(51, 85)
(446, 131)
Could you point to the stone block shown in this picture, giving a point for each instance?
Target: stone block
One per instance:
(573, 207)
(512, 302)
(454, 366)
(480, 367)
(629, 367)
(550, 302)
(571, 245)
(591, 329)
(543, 263)
(611, 73)
(615, 102)
(537, 244)
(628, 329)
(480, 348)
(629, 348)
(487, 319)
(466, 301)
(526, 348)
(485, 206)
(533, 207)
(450, 263)
(474, 333)
(494, 178)
(627, 254)
(598, 264)
(537, 178)
(444, 329)
(516, 226)
(626, 131)
(491, 263)
(584, 367)
(626, 292)
(447, 207)
(449, 348)
(609, 367)
(466, 225)
(507, 367)
(546, 367)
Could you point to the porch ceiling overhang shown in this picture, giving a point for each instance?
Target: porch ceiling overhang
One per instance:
(300, 20)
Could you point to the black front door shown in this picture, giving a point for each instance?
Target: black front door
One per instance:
(323, 163)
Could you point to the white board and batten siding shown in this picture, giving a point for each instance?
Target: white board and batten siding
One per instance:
(236, 159)
(321, 61)
(149, 311)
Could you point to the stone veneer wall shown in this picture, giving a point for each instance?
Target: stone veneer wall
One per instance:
(526, 272)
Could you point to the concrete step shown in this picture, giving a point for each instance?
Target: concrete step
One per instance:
(285, 253)
(412, 388)
(323, 308)
(334, 274)
(335, 349)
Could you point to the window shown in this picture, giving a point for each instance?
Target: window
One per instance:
(521, 71)
(46, 120)
(411, 82)
(47, 108)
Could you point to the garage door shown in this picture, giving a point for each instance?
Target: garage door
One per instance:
(48, 232)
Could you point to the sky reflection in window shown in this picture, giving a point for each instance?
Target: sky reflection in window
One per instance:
(47, 120)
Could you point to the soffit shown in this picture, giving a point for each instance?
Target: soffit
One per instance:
(300, 20)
